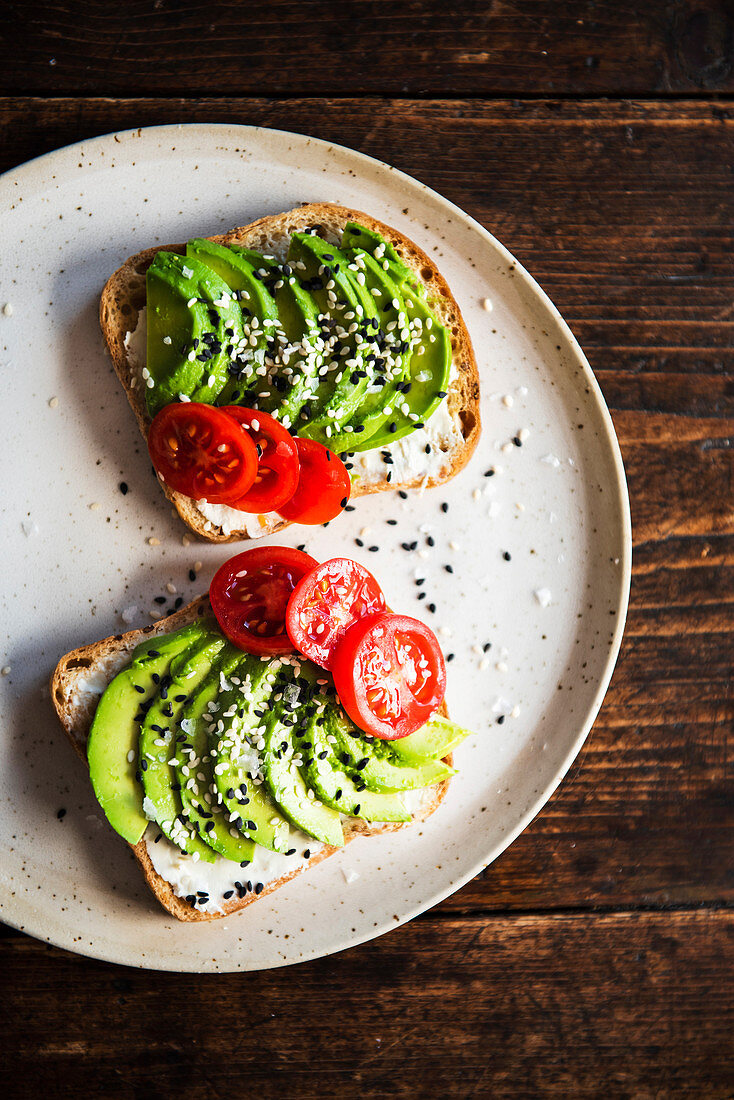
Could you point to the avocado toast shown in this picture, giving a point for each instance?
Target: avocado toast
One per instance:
(219, 812)
(348, 333)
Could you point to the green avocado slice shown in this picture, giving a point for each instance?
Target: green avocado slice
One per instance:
(112, 747)
(433, 741)
(389, 358)
(302, 357)
(345, 306)
(249, 692)
(192, 319)
(430, 365)
(358, 236)
(373, 763)
(157, 740)
(285, 775)
(260, 323)
(335, 787)
(195, 766)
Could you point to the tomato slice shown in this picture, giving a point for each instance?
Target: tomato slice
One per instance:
(390, 674)
(249, 595)
(323, 485)
(199, 452)
(277, 473)
(326, 602)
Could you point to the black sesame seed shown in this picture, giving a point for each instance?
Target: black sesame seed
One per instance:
(153, 653)
(373, 549)
(487, 646)
(61, 813)
(420, 581)
(192, 575)
(307, 853)
(123, 487)
(430, 541)
(227, 894)
(259, 887)
(392, 522)
(489, 473)
(349, 508)
(343, 503)
(421, 595)
(444, 507)
(517, 441)
(144, 765)
(291, 852)
(159, 599)
(178, 602)
(359, 542)
(449, 568)
(357, 808)
(432, 607)
(302, 546)
(245, 863)
(139, 688)
(402, 494)
(449, 656)
(500, 720)
(507, 556)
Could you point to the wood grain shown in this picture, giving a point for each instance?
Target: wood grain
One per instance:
(416, 48)
(623, 1005)
(639, 258)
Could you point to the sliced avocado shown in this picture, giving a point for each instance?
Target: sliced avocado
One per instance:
(378, 768)
(430, 365)
(346, 305)
(195, 766)
(112, 747)
(387, 362)
(239, 761)
(157, 741)
(390, 359)
(248, 371)
(192, 320)
(434, 740)
(358, 236)
(284, 773)
(335, 787)
(303, 355)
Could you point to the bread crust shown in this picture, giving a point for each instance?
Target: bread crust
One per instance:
(104, 659)
(124, 295)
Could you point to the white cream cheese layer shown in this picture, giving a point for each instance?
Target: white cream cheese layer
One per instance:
(136, 343)
(188, 876)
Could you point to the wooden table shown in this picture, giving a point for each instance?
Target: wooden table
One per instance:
(594, 957)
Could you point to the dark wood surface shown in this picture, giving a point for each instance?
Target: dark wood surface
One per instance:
(594, 957)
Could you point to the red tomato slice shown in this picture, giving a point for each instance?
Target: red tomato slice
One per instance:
(199, 452)
(390, 675)
(323, 485)
(326, 602)
(277, 473)
(249, 595)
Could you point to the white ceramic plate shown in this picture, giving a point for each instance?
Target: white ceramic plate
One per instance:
(75, 550)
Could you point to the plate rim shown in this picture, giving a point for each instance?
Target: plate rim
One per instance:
(610, 441)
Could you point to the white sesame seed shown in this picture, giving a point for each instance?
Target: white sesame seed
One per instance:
(508, 400)
(152, 541)
(53, 402)
(487, 304)
(6, 670)
(8, 309)
(171, 589)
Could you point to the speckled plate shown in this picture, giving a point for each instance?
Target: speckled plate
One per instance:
(540, 550)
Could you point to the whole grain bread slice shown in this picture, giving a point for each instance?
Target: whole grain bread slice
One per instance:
(76, 686)
(124, 296)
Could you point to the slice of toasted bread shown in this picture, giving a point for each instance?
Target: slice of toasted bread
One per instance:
(124, 296)
(76, 686)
